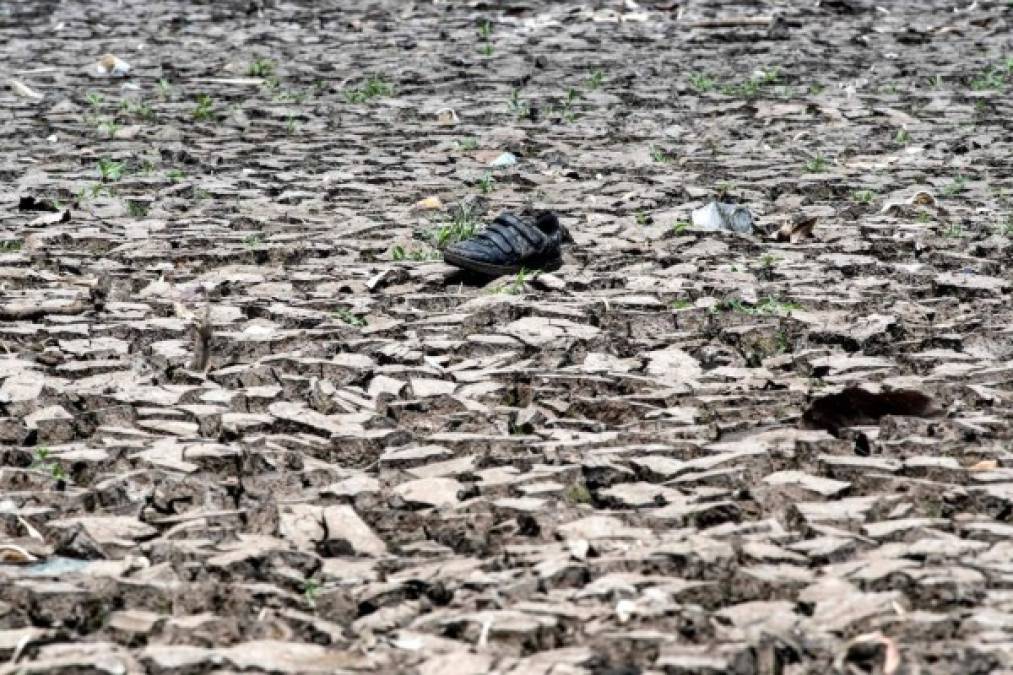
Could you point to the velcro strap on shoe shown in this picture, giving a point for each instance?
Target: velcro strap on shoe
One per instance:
(533, 236)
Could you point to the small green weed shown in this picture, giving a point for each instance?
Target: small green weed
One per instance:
(768, 306)
(92, 191)
(94, 99)
(310, 590)
(175, 175)
(680, 226)
(958, 185)
(783, 342)
(568, 111)
(270, 85)
(137, 209)
(1004, 226)
(253, 240)
(954, 231)
(681, 304)
(771, 305)
(372, 88)
(933, 508)
(577, 493)
(595, 79)
(518, 106)
(108, 127)
(463, 224)
(768, 263)
(485, 32)
(486, 182)
(260, 67)
(138, 109)
(903, 137)
(43, 462)
(348, 317)
(398, 253)
(205, 108)
(164, 88)
(863, 196)
(11, 245)
(751, 87)
(109, 170)
(817, 164)
(516, 286)
(467, 144)
(660, 155)
(993, 78)
(298, 97)
(701, 83)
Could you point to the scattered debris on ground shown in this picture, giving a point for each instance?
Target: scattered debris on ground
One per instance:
(250, 421)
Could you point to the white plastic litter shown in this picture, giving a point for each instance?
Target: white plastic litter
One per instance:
(718, 216)
(504, 160)
(111, 66)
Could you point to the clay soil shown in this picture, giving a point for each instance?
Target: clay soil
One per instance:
(251, 422)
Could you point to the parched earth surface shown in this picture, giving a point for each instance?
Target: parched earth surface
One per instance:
(250, 422)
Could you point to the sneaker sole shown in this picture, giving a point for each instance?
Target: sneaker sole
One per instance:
(500, 270)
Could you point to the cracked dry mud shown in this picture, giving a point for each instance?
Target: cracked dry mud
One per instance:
(250, 423)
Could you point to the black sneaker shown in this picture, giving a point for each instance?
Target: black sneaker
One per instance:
(511, 243)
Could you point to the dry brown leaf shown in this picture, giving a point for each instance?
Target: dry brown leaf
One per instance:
(799, 228)
(429, 204)
(111, 66)
(12, 554)
(984, 465)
